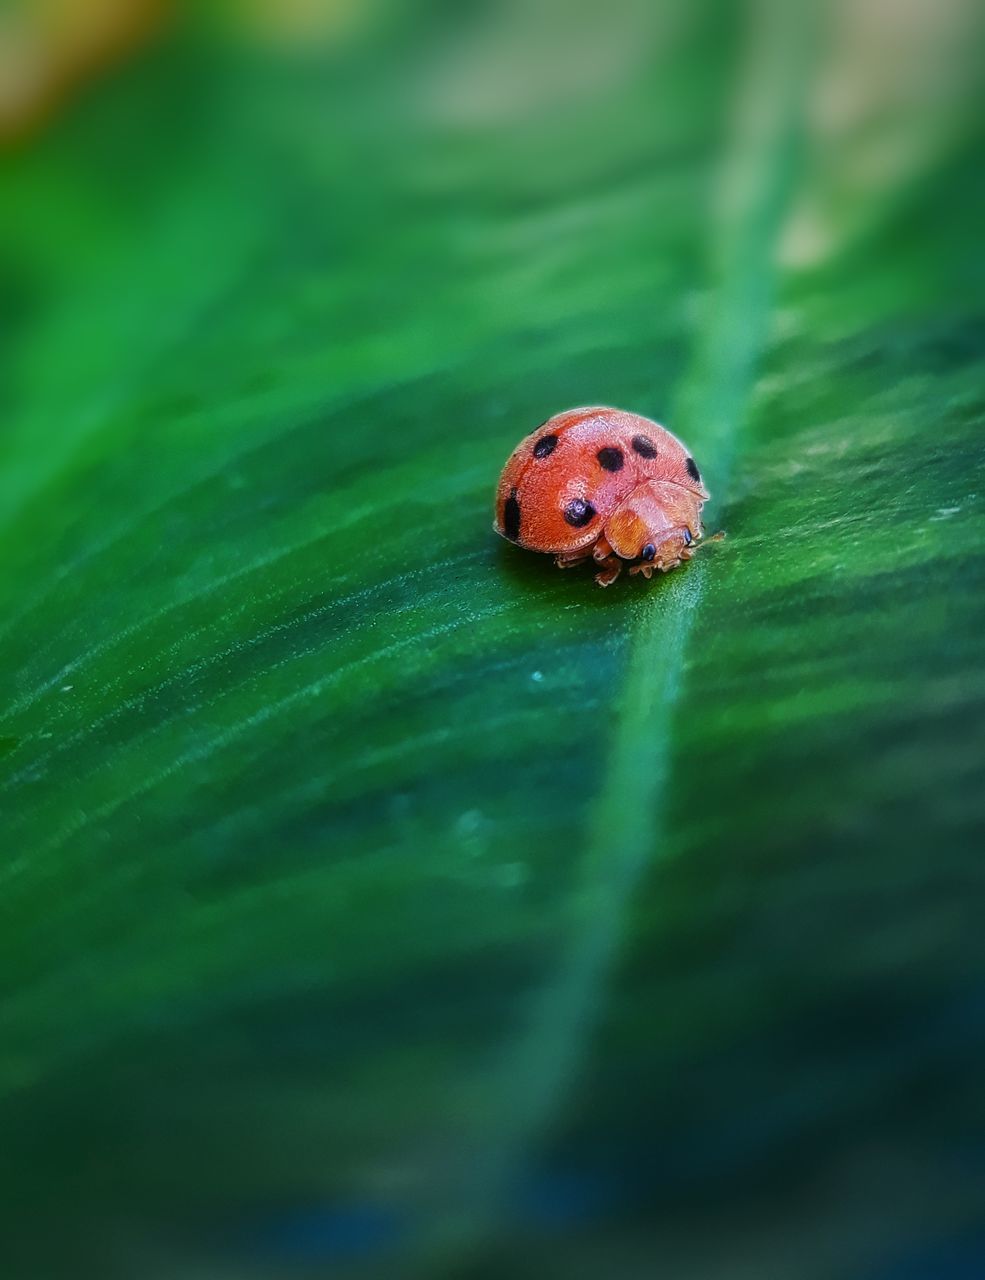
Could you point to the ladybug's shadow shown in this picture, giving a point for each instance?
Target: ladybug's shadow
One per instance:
(537, 575)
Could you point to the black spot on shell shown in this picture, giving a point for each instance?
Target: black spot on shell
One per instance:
(511, 517)
(644, 446)
(610, 459)
(579, 512)
(649, 551)
(545, 446)
(692, 470)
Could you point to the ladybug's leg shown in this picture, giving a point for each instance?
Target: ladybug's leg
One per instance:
(610, 569)
(568, 559)
(601, 549)
(610, 566)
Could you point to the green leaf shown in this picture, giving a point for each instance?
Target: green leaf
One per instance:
(374, 895)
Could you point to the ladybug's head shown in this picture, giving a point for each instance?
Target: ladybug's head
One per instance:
(659, 522)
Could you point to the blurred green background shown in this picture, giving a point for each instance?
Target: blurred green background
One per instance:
(374, 899)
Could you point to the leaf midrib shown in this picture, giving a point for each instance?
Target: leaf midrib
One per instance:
(627, 818)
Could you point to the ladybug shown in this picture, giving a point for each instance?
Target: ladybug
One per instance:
(602, 484)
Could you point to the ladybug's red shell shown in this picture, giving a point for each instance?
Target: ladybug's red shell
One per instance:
(564, 481)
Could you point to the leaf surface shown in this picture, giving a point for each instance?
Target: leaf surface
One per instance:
(373, 892)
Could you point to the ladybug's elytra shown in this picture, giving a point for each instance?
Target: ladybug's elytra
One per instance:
(602, 484)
